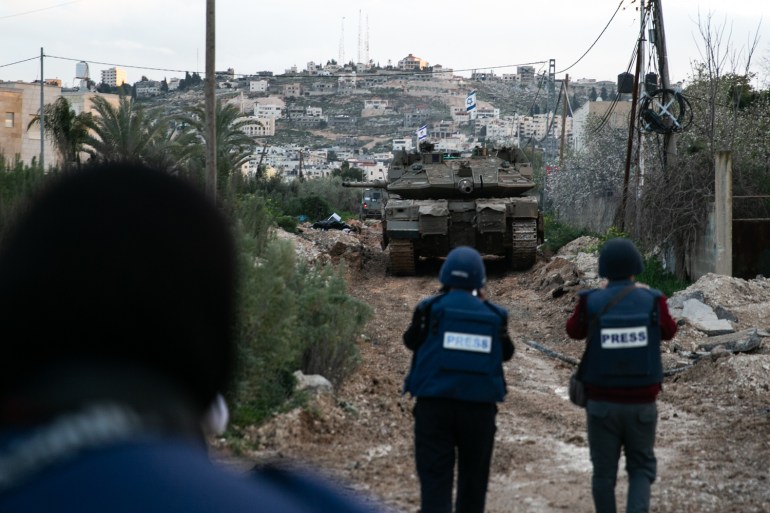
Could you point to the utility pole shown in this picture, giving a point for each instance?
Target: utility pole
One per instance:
(210, 85)
(631, 125)
(42, 113)
(669, 146)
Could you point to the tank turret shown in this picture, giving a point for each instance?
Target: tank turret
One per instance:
(441, 200)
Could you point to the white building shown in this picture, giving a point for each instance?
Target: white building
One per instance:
(258, 86)
(268, 110)
(259, 127)
(403, 144)
(147, 88)
(114, 76)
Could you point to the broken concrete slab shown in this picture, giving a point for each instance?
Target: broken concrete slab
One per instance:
(739, 342)
(702, 317)
(678, 299)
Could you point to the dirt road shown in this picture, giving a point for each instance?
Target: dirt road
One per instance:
(713, 434)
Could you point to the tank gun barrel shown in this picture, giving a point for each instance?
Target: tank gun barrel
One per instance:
(374, 184)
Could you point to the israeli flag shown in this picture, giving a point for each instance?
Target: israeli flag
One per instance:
(422, 132)
(470, 101)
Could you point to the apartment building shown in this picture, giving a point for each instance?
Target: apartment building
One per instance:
(147, 88)
(526, 74)
(259, 127)
(114, 76)
(19, 104)
(258, 86)
(412, 63)
(290, 90)
(268, 110)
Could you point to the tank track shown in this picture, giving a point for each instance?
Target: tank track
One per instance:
(403, 261)
(523, 253)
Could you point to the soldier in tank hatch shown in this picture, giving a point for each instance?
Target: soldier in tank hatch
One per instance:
(460, 342)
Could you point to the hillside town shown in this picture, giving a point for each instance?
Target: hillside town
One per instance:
(336, 113)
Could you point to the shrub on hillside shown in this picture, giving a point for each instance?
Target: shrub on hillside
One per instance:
(292, 316)
(331, 322)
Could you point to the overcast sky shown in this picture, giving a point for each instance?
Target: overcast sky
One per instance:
(255, 36)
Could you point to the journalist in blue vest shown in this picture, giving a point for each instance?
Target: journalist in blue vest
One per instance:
(117, 308)
(623, 324)
(460, 341)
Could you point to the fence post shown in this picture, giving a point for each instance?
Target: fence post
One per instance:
(723, 209)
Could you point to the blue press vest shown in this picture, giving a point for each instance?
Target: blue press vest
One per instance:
(461, 357)
(624, 343)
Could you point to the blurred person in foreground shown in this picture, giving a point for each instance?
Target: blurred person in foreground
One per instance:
(117, 290)
(460, 341)
(623, 324)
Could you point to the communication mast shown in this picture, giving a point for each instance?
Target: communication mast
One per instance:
(342, 42)
(363, 40)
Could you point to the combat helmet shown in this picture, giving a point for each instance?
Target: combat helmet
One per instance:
(463, 269)
(619, 259)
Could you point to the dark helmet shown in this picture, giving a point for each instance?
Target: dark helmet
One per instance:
(120, 265)
(463, 269)
(619, 260)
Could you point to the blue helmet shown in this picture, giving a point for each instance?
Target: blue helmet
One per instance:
(463, 269)
(619, 260)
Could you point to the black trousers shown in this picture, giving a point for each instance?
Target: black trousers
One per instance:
(445, 430)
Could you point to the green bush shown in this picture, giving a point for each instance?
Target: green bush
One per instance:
(331, 321)
(312, 206)
(557, 234)
(288, 223)
(656, 277)
(18, 182)
(292, 316)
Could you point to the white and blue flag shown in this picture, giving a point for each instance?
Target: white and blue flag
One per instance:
(422, 132)
(470, 101)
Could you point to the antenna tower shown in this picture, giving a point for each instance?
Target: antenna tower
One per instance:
(342, 43)
(360, 37)
(363, 40)
(366, 42)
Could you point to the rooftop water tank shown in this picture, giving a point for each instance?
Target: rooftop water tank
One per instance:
(81, 70)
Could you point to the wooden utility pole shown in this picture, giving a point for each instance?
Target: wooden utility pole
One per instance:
(669, 146)
(210, 84)
(42, 113)
(630, 146)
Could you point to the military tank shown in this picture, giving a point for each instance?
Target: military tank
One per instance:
(438, 201)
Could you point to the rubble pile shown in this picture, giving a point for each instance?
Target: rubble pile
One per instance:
(327, 246)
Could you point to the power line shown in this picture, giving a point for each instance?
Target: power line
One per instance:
(38, 10)
(19, 62)
(634, 53)
(121, 65)
(595, 41)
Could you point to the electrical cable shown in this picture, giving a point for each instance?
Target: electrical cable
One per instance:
(19, 62)
(595, 41)
(38, 10)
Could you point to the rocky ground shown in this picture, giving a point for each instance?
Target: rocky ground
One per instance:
(713, 442)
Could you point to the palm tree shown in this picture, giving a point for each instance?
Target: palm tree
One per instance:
(127, 133)
(67, 130)
(234, 147)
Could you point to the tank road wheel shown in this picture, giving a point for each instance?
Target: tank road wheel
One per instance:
(403, 260)
(523, 252)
